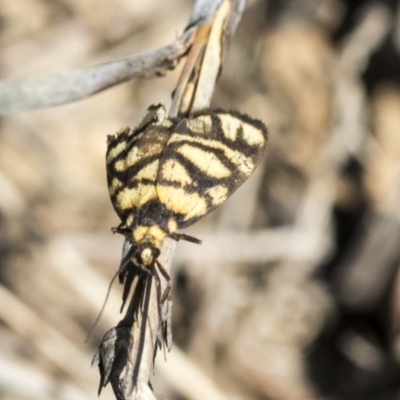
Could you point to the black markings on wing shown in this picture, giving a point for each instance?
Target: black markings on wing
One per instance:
(207, 157)
(132, 162)
(168, 173)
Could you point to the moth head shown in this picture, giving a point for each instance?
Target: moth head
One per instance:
(148, 254)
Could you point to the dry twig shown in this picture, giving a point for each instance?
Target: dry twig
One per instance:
(126, 355)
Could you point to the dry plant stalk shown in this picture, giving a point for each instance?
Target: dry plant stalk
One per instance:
(65, 87)
(126, 355)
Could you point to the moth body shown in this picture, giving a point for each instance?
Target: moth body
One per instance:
(166, 174)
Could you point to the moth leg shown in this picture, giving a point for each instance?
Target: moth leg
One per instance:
(182, 236)
(166, 276)
(129, 277)
(163, 318)
(160, 297)
(121, 228)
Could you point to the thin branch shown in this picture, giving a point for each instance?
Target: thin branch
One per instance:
(204, 62)
(64, 87)
(50, 90)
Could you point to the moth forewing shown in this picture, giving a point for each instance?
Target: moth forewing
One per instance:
(132, 162)
(207, 157)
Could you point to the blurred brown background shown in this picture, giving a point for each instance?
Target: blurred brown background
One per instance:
(294, 293)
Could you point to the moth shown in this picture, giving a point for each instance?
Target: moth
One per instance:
(167, 173)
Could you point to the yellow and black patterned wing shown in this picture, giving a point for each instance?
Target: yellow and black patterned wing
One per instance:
(207, 157)
(132, 163)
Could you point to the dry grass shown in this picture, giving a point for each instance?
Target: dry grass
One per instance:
(294, 293)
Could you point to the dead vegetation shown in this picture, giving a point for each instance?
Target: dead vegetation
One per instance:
(293, 294)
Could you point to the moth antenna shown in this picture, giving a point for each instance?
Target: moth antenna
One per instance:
(102, 307)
